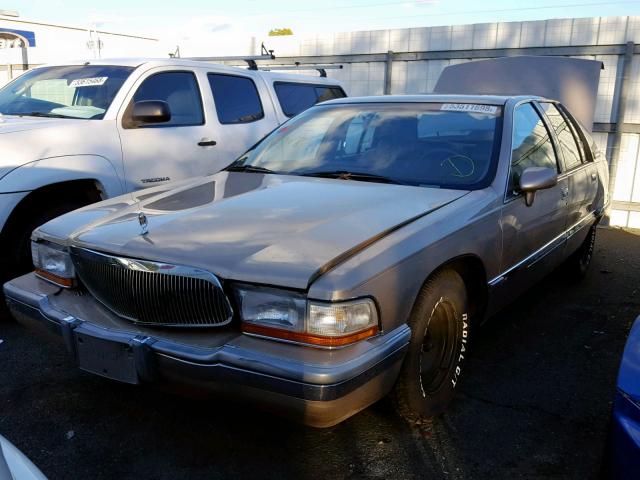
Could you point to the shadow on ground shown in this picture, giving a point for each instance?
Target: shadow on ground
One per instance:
(534, 403)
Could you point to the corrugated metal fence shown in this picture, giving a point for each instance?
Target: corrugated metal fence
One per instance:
(411, 60)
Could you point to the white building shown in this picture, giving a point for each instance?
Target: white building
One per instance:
(25, 43)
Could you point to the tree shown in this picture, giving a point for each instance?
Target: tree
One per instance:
(277, 32)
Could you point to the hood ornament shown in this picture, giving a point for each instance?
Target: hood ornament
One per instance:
(144, 224)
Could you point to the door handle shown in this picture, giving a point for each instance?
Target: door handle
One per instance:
(205, 142)
(594, 176)
(564, 193)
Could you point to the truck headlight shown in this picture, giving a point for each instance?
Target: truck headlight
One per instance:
(53, 263)
(290, 316)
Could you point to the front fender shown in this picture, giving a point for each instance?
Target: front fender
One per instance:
(40, 173)
(394, 269)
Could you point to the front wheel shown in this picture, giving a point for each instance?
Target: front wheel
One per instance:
(17, 256)
(438, 347)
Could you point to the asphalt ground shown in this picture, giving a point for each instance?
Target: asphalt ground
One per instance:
(534, 403)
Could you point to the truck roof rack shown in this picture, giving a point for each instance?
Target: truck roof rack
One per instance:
(250, 59)
(264, 55)
(322, 69)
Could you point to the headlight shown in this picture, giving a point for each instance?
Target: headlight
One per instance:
(53, 263)
(290, 316)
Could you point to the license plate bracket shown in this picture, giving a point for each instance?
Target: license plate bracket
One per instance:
(110, 358)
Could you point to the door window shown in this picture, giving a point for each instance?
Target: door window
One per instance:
(180, 91)
(572, 148)
(531, 144)
(297, 97)
(237, 99)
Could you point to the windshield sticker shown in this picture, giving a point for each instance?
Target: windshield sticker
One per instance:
(469, 107)
(88, 82)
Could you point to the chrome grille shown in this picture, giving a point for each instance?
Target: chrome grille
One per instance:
(153, 293)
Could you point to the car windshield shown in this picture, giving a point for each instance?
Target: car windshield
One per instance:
(80, 91)
(447, 145)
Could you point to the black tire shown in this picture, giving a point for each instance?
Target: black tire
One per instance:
(439, 341)
(577, 265)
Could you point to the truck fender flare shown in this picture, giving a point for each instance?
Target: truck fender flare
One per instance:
(47, 171)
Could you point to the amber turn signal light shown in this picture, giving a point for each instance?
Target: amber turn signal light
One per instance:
(301, 337)
(60, 281)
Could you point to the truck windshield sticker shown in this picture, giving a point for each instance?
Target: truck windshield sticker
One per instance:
(469, 107)
(88, 82)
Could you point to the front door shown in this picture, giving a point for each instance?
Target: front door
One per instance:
(178, 149)
(532, 235)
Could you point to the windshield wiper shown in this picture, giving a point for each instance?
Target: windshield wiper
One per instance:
(348, 175)
(40, 114)
(248, 168)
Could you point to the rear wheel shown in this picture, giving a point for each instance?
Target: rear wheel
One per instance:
(577, 265)
(439, 339)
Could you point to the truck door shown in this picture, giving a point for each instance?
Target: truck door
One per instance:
(181, 148)
(243, 111)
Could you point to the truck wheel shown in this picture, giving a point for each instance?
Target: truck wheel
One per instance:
(439, 341)
(577, 265)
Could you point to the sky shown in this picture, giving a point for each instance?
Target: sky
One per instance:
(160, 19)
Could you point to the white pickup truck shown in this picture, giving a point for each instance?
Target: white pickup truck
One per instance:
(80, 132)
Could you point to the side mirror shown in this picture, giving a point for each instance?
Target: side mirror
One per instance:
(150, 111)
(534, 179)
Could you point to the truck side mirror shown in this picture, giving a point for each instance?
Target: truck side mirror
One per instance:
(150, 111)
(534, 179)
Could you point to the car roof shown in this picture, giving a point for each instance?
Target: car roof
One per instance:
(436, 98)
(184, 62)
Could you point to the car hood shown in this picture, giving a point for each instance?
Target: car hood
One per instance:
(274, 229)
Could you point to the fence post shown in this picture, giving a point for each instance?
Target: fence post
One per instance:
(387, 72)
(621, 109)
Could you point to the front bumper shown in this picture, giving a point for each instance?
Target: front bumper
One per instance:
(317, 387)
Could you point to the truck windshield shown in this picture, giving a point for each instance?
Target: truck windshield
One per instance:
(447, 145)
(79, 91)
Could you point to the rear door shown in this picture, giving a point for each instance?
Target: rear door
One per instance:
(175, 150)
(531, 235)
(585, 145)
(243, 113)
(575, 167)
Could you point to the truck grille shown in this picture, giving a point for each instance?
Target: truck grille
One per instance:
(153, 293)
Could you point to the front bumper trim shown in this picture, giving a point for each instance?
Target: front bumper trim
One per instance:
(159, 359)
